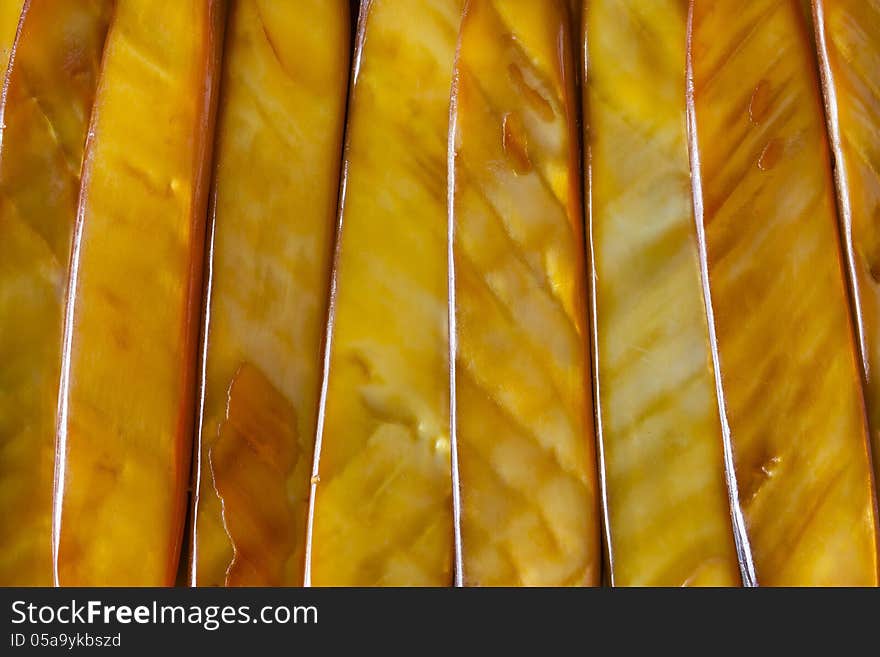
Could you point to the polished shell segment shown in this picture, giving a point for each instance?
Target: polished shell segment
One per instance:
(524, 421)
(279, 143)
(765, 199)
(669, 520)
(848, 34)
(46, 108)
(128, 378)
(382, 508)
